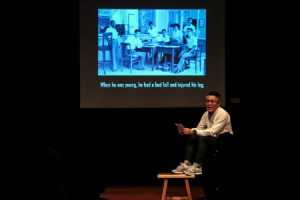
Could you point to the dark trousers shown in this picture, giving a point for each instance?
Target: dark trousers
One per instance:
(200, 147)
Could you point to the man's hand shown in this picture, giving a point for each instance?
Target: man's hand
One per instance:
(187, 131)
(180, 131)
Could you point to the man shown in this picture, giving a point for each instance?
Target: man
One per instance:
(202, 141)
(112, 29)
(189, 50)
(152, 31)
(176, 36)
(115, 44)
(189, 25)
(163, 37)
(136, 43)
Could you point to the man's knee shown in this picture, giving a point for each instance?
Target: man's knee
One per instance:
(193, 137)
(206, 138)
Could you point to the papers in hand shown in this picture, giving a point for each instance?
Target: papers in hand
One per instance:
(180, 127)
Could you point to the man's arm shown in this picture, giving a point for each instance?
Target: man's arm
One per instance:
(139, 44)
(194, 48)
(219, 124)
(195, 44)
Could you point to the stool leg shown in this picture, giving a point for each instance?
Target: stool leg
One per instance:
(188, 189)
(165, 189)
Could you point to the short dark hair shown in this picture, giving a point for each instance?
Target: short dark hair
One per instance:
(214, 93)
(137, 30)
(150, 23)
(190, 18)
(163, 30)
(189, 29)
(176, 25)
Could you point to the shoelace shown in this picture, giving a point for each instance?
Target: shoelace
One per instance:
(180, 166)
(192, 168)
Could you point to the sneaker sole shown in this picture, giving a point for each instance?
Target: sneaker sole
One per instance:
(177, 172)
(197, 173)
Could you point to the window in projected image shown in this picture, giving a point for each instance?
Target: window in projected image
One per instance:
(160, 42)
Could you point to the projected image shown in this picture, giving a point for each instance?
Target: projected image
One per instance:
(160, 42)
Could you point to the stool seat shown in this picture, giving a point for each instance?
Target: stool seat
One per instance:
(172, 175)
(166, 177)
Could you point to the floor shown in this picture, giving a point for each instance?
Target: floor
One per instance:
(147, 71)
(150, 192)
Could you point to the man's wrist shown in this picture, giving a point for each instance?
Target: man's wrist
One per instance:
(194, 132)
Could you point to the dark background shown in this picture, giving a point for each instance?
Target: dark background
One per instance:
(130, 146)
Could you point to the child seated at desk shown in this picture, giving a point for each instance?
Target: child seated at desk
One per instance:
(153, 32)
(137, 43)
(176, 36)
(163, 39)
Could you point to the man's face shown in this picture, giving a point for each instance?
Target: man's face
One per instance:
(212, 103)
(190, 21)
(189, 32)
(164, 33)
(113, 24)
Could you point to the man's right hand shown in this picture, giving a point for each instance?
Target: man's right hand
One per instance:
(181, 132)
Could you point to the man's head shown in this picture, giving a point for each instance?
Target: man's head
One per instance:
(113, 23)
(190, 20)
(176, 27)
(151, 25)
(137, 33)
(189, 32)
(212, 101)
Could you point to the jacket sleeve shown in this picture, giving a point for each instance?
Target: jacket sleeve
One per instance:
(219, 124)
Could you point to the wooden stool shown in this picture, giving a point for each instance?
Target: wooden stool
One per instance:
(166, 176)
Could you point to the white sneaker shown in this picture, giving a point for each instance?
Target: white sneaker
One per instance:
(193, 170)
(180, 169)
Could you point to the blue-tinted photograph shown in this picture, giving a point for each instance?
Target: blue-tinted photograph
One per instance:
(151, 42)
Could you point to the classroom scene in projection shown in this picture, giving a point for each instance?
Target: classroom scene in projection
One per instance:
(151, 42)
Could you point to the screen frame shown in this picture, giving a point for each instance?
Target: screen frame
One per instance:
(91, 95)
